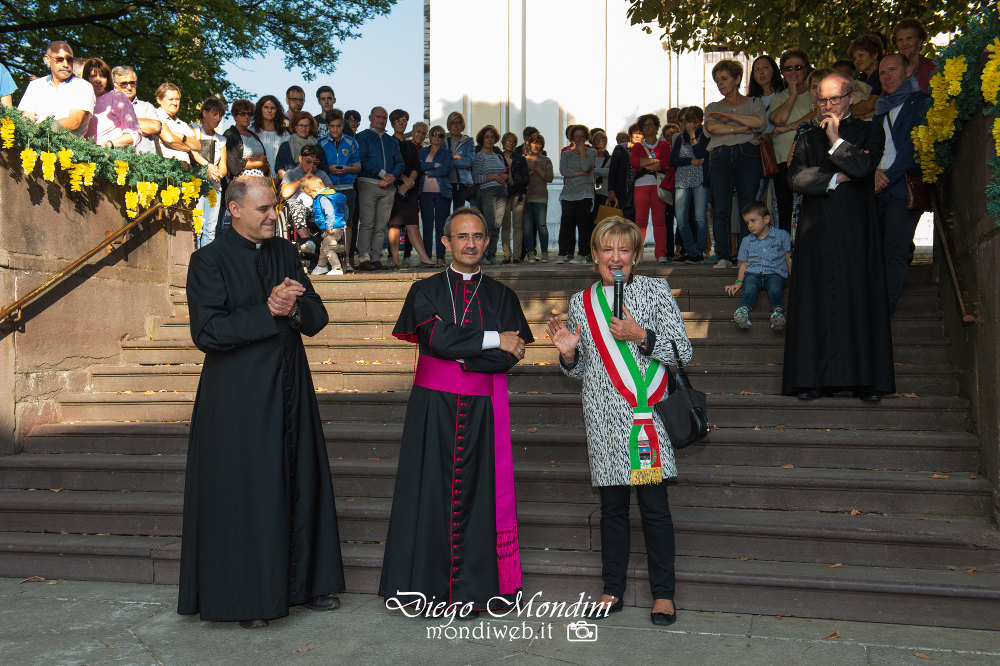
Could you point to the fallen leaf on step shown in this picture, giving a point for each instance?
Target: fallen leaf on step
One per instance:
(373, 363)
(828, 430)
(554, 311)
(715, 427)
(376, 459)
(148, 392)
(970, 571)
(63, 532)
(781, 429)
(756, 427)
(348, 499)
(939, 476)
(855, 512)
(834, 566)
(328, 361)
(743, 559)
(303, 649)
(320, 389)
(717, 466)
(910, 395)
(57, 490)
(924, 656)
(52, 582)
(835, 634)
(973, 476)
(33, 579)
(112, 647)
(542, 363)
(778, 617)
(359, 361)
(788, 466)
(532, 429)
(748, 393)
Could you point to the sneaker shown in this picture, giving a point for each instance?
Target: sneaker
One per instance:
(663, 260)
(348, 267)
(742, 317)
(723, 263)
(321, 270)
(531, 258)
(545, 258)
(576, 260)
(697, 259)
(336, 271)
(777, 320)
(712, 258)
(560, 260)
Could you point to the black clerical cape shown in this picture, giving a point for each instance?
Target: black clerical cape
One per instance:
(260, 525)
(443, 538)
(838, 334)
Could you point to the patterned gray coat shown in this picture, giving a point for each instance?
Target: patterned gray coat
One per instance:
(607, 415)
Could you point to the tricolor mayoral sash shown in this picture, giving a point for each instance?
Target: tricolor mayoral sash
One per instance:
(640, 391)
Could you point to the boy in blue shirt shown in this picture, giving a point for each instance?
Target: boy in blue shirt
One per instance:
(765, 262)
(330, 214)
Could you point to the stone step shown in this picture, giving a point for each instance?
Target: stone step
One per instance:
(806, 489)
(940, 450)
(916, 413)
(920, 379)
(871, 594)
(767, 349)
(800, 536)
(709, 321)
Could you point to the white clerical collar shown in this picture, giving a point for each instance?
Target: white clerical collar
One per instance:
(465, 276)
(257, 245)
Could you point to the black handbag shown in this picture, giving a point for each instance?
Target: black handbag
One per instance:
(684, 412)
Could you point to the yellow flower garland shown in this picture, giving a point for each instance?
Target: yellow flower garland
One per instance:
(7, 133)
(48, 165)
(991, 74)
(940, 127)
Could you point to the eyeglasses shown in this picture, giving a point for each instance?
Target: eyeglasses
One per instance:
(437, 135)
(793, 68)
(820, 101)
(475, 238)
(242, 113)
(60, 59)
(124, 84)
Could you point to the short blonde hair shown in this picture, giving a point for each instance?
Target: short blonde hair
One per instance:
(616, 227)
(311, 182)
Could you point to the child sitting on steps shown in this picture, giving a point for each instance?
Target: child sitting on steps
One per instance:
(765, 262)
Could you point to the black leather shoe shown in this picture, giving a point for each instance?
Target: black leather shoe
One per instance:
(663, 619)
(323, 602)
(253, 624)
(810, 394)
(599, 611)
(868, 396)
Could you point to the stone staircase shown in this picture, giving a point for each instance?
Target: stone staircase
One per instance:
(832, 508)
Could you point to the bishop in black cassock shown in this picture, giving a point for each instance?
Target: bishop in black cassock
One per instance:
(838, 335)
(260, 525)
(452, 533)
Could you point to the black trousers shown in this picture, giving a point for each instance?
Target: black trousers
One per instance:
(898, 225)
(657, 527)
(575, 217)
(783, 193)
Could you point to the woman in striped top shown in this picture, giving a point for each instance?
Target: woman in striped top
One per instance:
(489, 171)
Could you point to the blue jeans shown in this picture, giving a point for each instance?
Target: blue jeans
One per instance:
(533, 220)
(434, 209)
(772, 282)
(683, 197)
(493, 204)
(731, 168)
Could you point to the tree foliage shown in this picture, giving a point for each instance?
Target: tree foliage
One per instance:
(823, 29)
(186, 42)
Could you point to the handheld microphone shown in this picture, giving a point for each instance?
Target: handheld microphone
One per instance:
(619, 278)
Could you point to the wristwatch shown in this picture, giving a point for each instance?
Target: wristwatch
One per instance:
(294, 314)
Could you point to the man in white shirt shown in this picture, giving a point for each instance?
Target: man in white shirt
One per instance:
(168, 96)
(67, 98)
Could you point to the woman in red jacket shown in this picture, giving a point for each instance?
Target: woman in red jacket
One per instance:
(651, 161)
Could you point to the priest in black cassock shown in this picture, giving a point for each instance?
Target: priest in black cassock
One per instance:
(260, 525)
(453, 530)
(838, 336)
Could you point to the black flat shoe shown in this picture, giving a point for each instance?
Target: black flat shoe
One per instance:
(868, 396)
(324, 602)
(253, 624)
(600, 611)
(663, 619)
(810, 394)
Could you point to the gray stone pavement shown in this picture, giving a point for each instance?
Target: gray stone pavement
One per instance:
(73, 622)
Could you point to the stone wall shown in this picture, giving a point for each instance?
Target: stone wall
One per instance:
(44, 227)
(975, 239)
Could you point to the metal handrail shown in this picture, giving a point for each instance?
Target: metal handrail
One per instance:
(12, 313)
(969, 312)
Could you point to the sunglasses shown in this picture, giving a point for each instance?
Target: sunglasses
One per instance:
(62, 59)
(793, 68)
(124, 84)
(437, 135)
(242, 113)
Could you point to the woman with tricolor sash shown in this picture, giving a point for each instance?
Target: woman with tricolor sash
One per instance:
(622, 363)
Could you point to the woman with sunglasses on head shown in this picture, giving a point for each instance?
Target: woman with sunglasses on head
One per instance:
(269, 124)
(435, 192)
(789, 108)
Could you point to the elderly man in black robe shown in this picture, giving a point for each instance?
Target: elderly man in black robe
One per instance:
(260, 525)
(838, 335)
(453, 530)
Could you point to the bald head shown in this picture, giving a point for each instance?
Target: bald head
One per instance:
(836, 94)
(243, 186)
(378, 118)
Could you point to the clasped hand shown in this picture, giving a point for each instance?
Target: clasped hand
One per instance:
(283, 297)
(512, 343)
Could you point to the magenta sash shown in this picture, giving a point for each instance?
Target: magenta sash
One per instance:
(449, 377)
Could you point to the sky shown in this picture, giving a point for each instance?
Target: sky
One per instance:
(384, 67)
